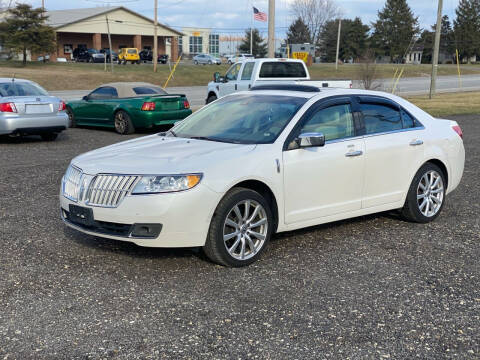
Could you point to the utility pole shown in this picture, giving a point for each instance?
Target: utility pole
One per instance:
(109, 43)
(271, 28)
(155, 38)
(338, 42)
(43, 4)
(433, 82)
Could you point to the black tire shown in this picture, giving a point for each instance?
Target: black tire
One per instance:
(119, 62)
(49, 136)
(195, 62)
(71, 118)
(211, 98)
(216, 248)
(411, 211)
(210, 62)
(123, 123)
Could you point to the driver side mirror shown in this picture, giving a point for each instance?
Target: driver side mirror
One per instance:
(307, 140)
(216, 77)
(85, 98)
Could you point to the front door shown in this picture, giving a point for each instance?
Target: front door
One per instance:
(327, 180)
(96, 109)
(231, 77)
(245, 78)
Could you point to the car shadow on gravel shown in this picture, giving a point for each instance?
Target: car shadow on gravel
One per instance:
(31, 139)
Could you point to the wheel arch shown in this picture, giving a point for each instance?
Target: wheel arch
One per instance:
(212, 93)
(264, 190)
(442, 167)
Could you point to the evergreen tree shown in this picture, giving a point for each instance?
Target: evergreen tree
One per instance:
(298, 33)
(259, 47)
(467, 28)
(394, 29)
(447, 40)
(24, 29)
(353, 40)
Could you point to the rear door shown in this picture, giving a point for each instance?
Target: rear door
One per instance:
(328, 180)
(393, 150)
(244, 81)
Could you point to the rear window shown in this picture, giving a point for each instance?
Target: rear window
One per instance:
(145, 90)
(132, 51)
(21, 89)
(277, 69)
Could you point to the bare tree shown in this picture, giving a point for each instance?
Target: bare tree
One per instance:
(315, 14)
(367, 71)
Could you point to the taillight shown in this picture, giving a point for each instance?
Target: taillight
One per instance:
(148, 106)
(62, 106)
(8, 107)
(458, 130)
(186, 104)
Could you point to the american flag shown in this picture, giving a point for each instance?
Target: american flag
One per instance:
(258, 15)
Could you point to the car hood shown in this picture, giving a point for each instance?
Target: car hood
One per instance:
(160, 155)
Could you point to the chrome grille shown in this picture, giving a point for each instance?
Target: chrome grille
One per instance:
(109, 190)
(71, 183)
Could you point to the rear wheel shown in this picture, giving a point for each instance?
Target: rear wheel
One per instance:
(426, 196)
(49, 136)
(123, 123)
(71, 118)
(240, 229)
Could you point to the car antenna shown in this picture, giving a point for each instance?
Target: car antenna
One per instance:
(13, 78)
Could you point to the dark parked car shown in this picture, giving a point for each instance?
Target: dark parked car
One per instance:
(88, 55)
(106, 52)
(147, 55)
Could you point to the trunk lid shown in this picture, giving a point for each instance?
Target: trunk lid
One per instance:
(34, 105)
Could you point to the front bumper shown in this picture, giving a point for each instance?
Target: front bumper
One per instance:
(29, 124)
(184, 217)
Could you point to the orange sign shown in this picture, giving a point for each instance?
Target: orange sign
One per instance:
(300, 55)
(196, 33)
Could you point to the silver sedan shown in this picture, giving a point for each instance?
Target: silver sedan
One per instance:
(27, 109)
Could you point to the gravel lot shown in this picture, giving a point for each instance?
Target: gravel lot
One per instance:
(371, 287)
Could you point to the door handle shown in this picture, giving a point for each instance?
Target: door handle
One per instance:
(354, 153)
(235, 86)
(416, 142)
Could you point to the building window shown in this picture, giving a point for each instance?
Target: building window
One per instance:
(195, 44)
(180, 45)
(213, 44)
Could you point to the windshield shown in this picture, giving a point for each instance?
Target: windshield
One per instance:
(243, 119)
(132, 51)
(15, 88)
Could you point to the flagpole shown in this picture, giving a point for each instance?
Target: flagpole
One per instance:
(251, 35)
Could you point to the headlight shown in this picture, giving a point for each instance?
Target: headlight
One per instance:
(166, 183)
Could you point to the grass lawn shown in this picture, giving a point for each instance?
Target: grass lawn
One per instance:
(444, 105)
(81, 76)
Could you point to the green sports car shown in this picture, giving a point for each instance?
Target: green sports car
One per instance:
(128, 105)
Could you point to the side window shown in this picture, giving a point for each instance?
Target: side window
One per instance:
(106, 92)
(380, 118)
(334, 122)
(247, 71)
(409, 121)
(232, 73)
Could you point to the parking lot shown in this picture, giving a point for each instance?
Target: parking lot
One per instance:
(371, 287)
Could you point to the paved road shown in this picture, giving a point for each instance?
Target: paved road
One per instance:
(374, 287)
(407, 86)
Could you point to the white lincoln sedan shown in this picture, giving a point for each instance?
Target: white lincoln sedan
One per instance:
(272, 159)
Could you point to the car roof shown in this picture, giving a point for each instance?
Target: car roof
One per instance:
(125, 89)
(19, 80)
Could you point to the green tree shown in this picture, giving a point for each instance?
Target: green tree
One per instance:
(298, 33)
(259, 47)
(394, 29)
(467, 28)
(447, 40)
(24, 30)
(353, 40)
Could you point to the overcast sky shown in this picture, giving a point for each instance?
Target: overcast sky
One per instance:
(232, 16)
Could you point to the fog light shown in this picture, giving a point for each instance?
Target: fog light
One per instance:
(146, 230)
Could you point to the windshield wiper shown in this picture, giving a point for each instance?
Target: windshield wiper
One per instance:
(207, 138)
(172, 132)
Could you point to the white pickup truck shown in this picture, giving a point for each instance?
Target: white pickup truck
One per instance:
(254, 72)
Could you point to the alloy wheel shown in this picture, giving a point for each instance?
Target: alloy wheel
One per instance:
(430, 193)
(120, 122)
(245, 229)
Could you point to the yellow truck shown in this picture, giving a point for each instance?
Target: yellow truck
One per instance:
(128, 55)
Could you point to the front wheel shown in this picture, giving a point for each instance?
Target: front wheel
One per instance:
(240, 228)
(195, 62)
(211, 98)
(71, 118)
(123, 123)
(426, 196)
